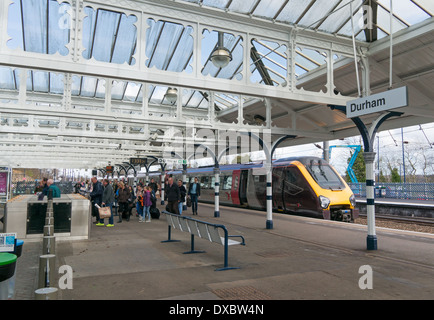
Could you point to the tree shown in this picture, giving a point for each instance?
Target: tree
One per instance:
(395, 177)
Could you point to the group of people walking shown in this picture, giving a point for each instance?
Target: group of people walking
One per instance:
(104, 195)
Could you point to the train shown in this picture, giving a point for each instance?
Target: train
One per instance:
(307, 186)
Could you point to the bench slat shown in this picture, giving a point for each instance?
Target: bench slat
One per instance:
(193, 227)
(215, 235)
(203, 230)
(183, 224)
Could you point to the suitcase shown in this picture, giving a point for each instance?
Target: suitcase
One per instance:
(155, 213)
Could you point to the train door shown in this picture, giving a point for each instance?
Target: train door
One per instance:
(297, 194)
(235, 185)
(277, 188)
(243, 187)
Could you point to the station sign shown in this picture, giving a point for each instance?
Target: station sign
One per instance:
(109, 169)
(139, 161)
(383, 101)
(173, 161)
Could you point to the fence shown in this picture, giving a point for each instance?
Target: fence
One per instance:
(411, 191)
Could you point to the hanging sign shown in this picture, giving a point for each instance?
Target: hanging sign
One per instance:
(386, 100)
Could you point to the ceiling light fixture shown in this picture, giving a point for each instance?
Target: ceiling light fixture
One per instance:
(221, 56)
(171, 95)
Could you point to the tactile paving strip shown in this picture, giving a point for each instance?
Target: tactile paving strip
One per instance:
(241, 293)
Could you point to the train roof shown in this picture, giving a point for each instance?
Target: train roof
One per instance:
(230, 167)
(304, 160)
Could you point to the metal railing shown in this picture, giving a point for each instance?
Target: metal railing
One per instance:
(410, 191)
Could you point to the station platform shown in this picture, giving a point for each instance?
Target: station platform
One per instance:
(301, 258)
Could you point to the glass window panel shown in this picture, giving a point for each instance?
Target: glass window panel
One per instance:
(100, 89)
(56, 83)
(104, 35)
(7, 80)
(118, 88)
(88, 86)
(59, 27)
(35, 25)
(88, 28)
(40, 81)
(183, 54)
(15, 30)
(75, 86)
(125, 41)
(131, 91)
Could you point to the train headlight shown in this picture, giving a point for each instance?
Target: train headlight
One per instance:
(324, 202)
(353, 201)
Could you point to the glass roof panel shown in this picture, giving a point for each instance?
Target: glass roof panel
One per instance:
(242, 6)
(340, 15)
(216, 3)
(268, 9)
(406, 10)
(427, 5)
(292, 11)
(318, 11)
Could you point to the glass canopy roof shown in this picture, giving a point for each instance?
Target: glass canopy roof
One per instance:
(111, 36)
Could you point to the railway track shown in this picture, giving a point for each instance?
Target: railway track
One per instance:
(416, 224)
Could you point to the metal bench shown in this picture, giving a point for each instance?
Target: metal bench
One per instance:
(204, 230)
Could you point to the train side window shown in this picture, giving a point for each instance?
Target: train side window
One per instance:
(204, 183)
(227, 183)
(212, 185)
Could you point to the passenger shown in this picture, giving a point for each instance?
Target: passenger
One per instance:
(39, 187)
(52, 186)
(108, 198)
(124, 194)
(183, 192)
(45, 189)
(139, 203)
(147, 204)
(194, 193)
(96, 196)
(173, 196)
(153, 186)
(131, 201)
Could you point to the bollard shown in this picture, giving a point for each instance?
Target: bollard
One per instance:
(48, 230)
(49, 221)
(46, 293)
(49, 245)
(46, 270)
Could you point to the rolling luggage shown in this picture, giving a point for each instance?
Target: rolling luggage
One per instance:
(155, 213)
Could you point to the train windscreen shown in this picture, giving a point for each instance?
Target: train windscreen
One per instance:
(324, 175)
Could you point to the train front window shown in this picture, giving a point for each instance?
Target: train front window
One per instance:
(325, 176)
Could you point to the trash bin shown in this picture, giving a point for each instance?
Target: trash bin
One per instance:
(7, 268)
(18, 250)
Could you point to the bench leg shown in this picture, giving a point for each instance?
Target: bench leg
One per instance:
(226, 267)
(192, 247)
(169, 236)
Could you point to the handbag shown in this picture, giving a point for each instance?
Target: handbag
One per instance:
(104, 212)
(188, 202)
